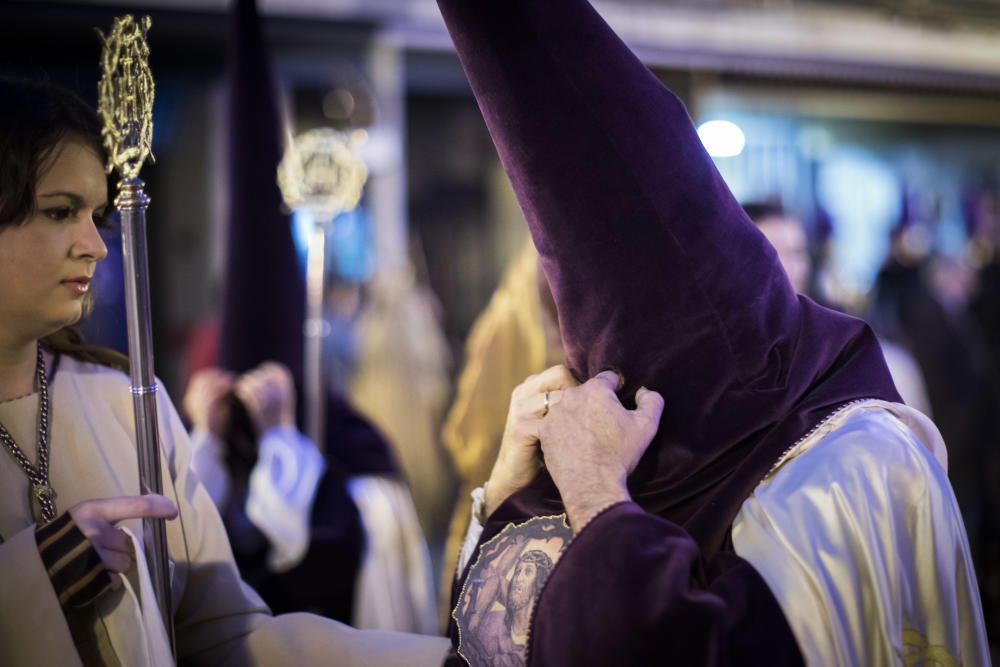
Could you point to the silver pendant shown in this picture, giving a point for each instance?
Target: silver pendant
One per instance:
(43, 492)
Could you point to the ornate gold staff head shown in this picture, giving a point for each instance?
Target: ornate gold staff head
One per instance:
(125, 95)
(322, 171)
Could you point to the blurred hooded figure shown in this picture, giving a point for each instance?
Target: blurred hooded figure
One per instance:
(788, 236)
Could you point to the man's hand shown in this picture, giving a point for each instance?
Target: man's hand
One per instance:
(202, 400)
(592, 443)
(519, 460)
(96, 519)
(268, 393)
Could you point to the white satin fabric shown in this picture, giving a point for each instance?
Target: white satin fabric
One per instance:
(283, 486)
(858, 534)
(394, 590)
(475, 531)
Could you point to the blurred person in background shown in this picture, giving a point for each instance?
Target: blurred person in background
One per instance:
(333, 532)
(399, 380)
(983, 251)
(788, 236)
(263, 317)
(919, 302)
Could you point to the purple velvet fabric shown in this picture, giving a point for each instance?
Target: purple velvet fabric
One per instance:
(354, 443)
(655, 602)
(634, 589)
(655, 272)
(264, 299)
(654, 267)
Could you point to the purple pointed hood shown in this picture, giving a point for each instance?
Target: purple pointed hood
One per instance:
(654, 267)
(264, 291)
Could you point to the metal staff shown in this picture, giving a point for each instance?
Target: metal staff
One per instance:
(322, 173)
(125, 95)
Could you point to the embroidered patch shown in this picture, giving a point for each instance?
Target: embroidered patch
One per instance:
(493, 614)
(918, 652)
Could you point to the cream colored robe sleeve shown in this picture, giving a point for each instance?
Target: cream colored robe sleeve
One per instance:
(859, 537)
(29, 608)
(394, 586)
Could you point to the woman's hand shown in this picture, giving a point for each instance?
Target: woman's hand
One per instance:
(203, 399)
(96, 519)
(519, 459)
(268, 392)
(592, 443)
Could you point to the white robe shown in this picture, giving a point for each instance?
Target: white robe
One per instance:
(219, 620)
(857, 533)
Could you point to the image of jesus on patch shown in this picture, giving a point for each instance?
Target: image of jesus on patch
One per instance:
(494, 610)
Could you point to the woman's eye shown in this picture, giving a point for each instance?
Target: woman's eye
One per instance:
(59, 213)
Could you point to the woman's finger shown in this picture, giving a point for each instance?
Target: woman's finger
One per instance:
(150, 505)
(114, 539)
(115, 561)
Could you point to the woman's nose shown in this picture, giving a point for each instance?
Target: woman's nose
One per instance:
(90, 244)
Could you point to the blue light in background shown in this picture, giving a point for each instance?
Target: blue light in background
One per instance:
(349, 251)
(862, 193)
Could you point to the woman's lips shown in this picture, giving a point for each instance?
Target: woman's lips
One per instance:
(77, 285)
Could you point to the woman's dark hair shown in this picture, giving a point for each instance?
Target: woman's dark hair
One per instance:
(35, 117)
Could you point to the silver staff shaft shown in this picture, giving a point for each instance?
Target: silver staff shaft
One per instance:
(315, 330)
(132, 203)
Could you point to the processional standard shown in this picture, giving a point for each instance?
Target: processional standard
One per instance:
(125, 104)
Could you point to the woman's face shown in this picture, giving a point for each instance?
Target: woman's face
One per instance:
(46, 263)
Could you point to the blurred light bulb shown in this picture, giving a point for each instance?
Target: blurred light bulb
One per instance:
(722, 138)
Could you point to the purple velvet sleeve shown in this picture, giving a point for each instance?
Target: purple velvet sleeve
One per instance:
(632, 589)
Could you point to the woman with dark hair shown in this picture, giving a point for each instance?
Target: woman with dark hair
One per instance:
(71, 570)
(32, 132)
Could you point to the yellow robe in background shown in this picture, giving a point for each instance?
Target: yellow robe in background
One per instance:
(513, 338)
(401, 385)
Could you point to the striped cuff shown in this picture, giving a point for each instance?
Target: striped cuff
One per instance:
(78, 575)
